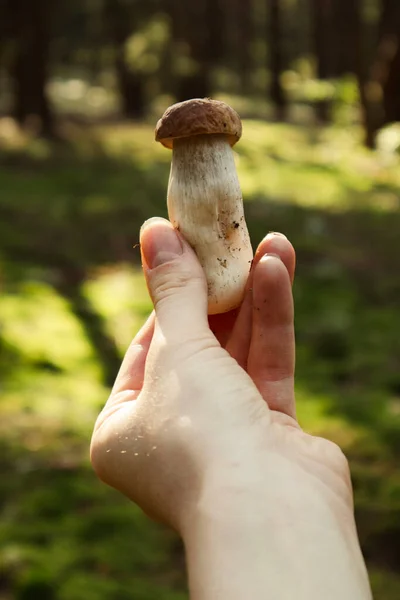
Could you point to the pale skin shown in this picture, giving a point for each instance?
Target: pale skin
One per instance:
(200, 431)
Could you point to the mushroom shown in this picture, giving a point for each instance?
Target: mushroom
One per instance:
(204, 198)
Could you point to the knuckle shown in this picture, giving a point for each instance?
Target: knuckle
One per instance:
(338, 459)
(166, 284)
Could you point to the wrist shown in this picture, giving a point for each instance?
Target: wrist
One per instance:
(240, 544)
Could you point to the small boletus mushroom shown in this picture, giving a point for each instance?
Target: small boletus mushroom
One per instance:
(204, 198)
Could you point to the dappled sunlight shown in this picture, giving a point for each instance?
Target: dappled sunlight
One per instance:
(308, 166)
(316, 167)
(76, 95)
(132, 143)
(121, 296)
(54, 383)
(11, 136)
(39, 323)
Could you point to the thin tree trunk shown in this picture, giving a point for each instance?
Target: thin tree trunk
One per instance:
(380, 87)
(346, 25)
(31, 32)
(200, 26)
(368, 116)
(130, 87)
(391, 88)
(4, 38)
(276, 59)
(243, 42)
(391, 70)
(215, 25)
(322, 15)
(120, 26)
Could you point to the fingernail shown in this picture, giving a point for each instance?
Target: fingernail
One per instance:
(271, 255)
(277, 233)
(159, 242)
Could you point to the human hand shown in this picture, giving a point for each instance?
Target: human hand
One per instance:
(197, 433)
(186, 321)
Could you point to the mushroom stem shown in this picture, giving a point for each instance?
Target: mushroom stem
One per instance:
(205, 204)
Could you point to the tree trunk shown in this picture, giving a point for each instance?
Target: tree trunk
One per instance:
(196, 85)
(31, 32)
(276, 59)
(200, 26)
(324, 44)
(391, 88)
(243, 43)
(360, 65)
(130, 87)
(346, 15)
(120, 25)
(214, 44)
(5, 34)
(390, 30)
(380, 86)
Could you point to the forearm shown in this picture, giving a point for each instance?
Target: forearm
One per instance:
(242, 554)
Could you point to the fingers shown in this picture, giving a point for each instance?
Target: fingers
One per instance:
(271, 359)
(176, 283)
(131, 373)
(277, 243)
(239, 342)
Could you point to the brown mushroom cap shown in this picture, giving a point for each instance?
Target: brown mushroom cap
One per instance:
(198, 117)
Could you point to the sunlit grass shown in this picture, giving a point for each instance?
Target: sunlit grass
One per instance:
(308, 166)
(121, 296)
(52, 384)
(38, 322)
(305, 165)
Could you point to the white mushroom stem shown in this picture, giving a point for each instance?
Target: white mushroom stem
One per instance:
(205, 204)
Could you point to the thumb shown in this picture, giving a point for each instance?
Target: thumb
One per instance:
(176, 281)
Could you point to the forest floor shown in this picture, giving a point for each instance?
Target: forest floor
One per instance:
(72, 296)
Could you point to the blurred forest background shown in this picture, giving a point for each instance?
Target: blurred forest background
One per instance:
(82, 84)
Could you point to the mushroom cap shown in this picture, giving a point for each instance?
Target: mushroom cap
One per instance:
(198, 117)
